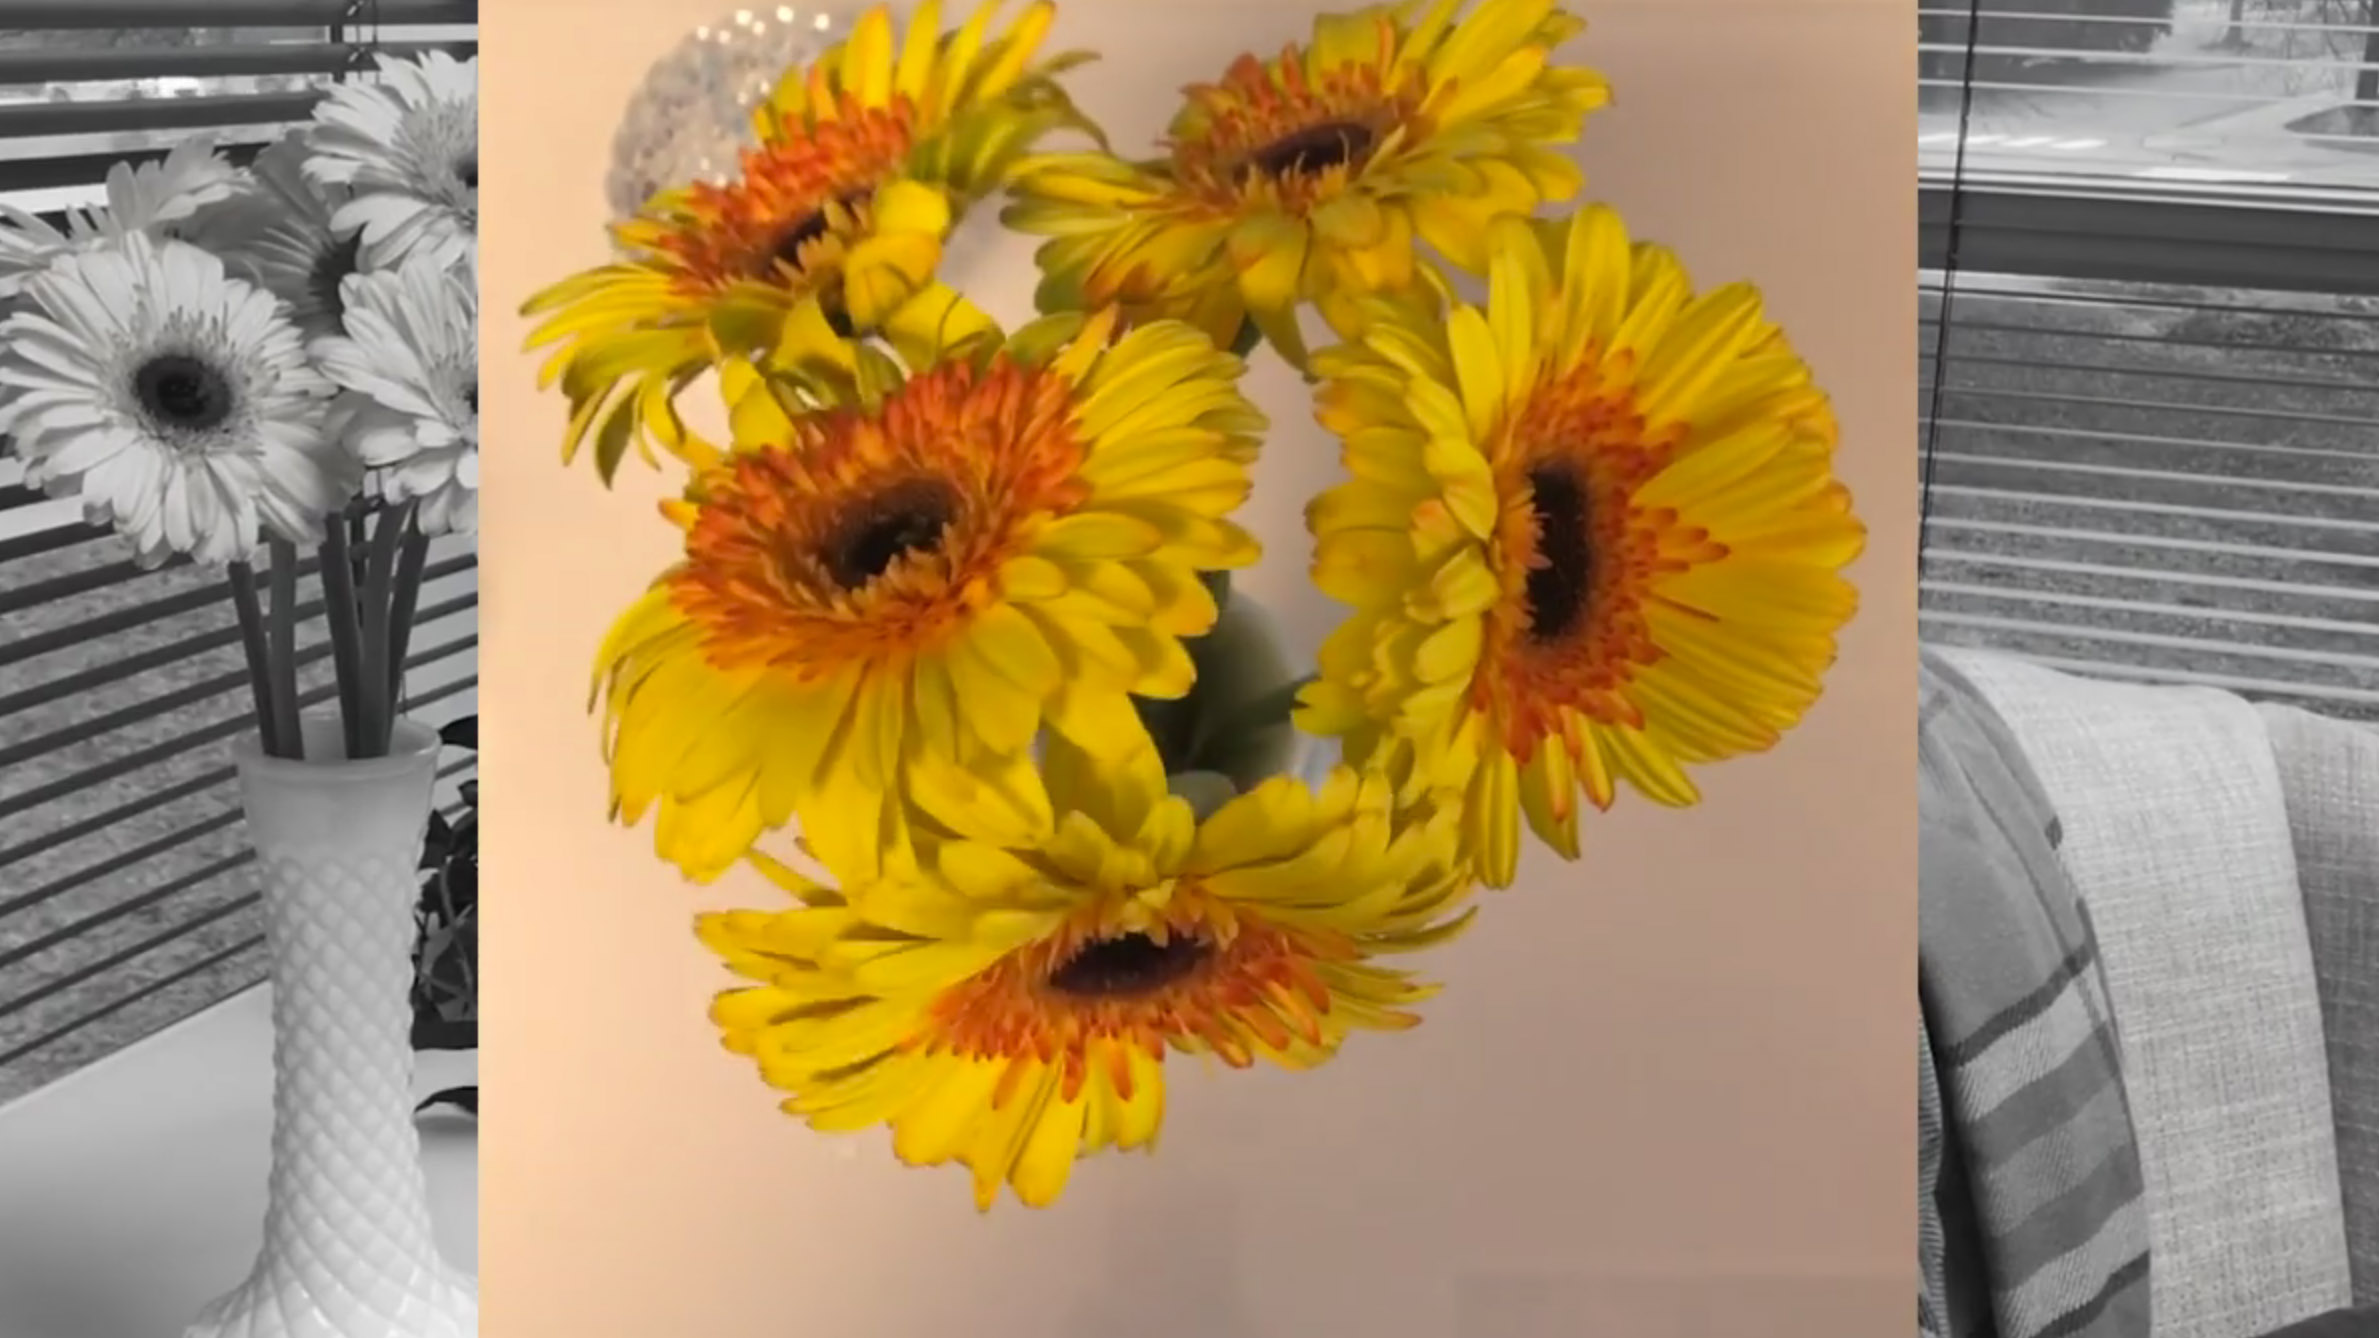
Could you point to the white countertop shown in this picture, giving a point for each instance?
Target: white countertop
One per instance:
(132, 1191)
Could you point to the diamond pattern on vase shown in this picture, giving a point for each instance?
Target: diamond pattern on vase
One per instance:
(348, 1247)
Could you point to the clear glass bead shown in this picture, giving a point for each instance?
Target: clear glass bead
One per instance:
(692, 117)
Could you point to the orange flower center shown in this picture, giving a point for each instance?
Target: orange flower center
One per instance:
(874, 536)
(1271, 131)
(1209, 975)
(791, 211)
(1578, 558)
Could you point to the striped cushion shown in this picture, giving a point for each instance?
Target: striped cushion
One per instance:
(2330, 771)
(2177, 835)
(2036, 1190)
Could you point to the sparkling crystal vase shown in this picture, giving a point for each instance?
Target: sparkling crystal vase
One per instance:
(348, 1250)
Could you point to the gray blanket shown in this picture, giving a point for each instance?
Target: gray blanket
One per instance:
(2031, 1217)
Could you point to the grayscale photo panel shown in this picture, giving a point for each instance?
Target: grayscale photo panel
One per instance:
(239, 668)
(2148, 412)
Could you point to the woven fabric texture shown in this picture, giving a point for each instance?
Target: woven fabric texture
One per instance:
(2176, 832)
(2330, 771)
(2040, 1168)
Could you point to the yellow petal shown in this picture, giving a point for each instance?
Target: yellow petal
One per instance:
(1047, 1158)
(1014, 646)
(935, 1128)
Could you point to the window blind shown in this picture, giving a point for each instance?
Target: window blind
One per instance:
(2149, 334)
(126, 897)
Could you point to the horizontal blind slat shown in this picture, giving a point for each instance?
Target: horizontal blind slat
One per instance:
(2354, 698)
(2152, 608)
(129, 858)
(2226, 531)
(159, 845)
(67, 65)
(2110, 571)
(2151, 237)
(2201, 547)
(2193, 376)
(2136, 438)
(1958, 16)
(189, 971)
(89, 169)
(2157, 640)
(129, 953)
(34, 797)
(100, 919)
(27, 120)
(117, 816)
(2174, 476)
(91, 14)
(2161, 509)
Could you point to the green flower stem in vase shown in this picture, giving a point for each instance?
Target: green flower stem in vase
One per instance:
(282, 652)
(1232, 731)
(369, 601)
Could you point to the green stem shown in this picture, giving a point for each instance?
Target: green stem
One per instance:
(410, 561)
(281, 661)
(379, 575)
(1218, 584)
(346, 634)
(1272, 709)
(242, 578)
(1170, 722)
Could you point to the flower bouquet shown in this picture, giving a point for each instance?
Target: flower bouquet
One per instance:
(281, 360)
(953, 656)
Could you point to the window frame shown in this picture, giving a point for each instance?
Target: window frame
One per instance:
(2203, 237)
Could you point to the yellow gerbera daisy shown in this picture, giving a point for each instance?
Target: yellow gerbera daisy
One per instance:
(1306, 178)
(1592, 533)
(863, 163)
(999, 540)
(1006, 999)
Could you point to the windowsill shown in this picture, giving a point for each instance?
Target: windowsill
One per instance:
(132, 1192)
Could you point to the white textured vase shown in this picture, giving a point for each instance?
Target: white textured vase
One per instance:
(348, 1250)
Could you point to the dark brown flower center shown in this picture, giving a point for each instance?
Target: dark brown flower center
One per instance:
(801, 234)
(1316, 148)
(838, 314)
(907, 518)
(809, 228)
(182, 392)
(1558, 585)
(1129, 965)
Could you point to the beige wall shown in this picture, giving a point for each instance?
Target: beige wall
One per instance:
(1667, 1091)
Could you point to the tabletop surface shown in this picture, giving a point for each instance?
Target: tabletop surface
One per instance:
(132, 1192)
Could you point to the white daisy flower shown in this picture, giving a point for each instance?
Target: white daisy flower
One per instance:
(407, 149)
(155, 198)
(409, 364)
(176, 401)
(278, 233)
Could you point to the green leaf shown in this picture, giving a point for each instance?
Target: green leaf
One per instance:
(461, 1098)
